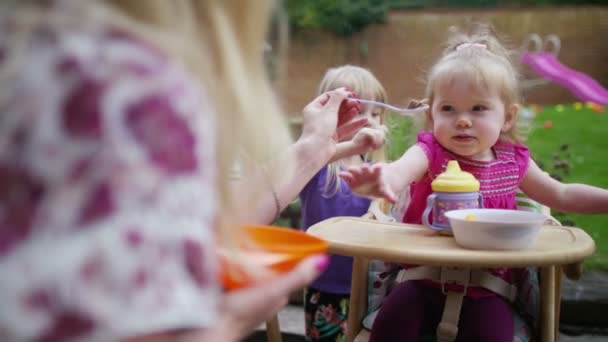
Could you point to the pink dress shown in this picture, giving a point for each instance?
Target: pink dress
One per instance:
(107, 189)
(499, 180)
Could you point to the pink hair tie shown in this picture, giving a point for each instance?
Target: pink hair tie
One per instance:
(471, 45)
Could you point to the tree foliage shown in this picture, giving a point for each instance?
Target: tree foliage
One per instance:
(343, 17)
(346, 17)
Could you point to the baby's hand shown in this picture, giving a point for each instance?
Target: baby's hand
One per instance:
(369, 181)
(369, 139)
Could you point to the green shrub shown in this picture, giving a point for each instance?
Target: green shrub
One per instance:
(402, 132)
(344, 17)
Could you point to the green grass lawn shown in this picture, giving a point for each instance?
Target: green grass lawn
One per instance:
(574, 148)
(575, 138)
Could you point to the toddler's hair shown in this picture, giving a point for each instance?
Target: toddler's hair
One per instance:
(480, 57)
(362, 82)
(358, 79)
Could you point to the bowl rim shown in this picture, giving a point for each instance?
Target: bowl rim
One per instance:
(300, 243)
(533, 217)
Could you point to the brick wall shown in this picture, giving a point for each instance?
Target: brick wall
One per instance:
(402, 49)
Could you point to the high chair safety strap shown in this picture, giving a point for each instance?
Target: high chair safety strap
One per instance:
(473, 277)
(447, 330)
(493, 283)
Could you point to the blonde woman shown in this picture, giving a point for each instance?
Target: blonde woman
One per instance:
(119, 124)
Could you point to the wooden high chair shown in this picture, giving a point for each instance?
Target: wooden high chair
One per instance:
(273, 330)
(558, 251)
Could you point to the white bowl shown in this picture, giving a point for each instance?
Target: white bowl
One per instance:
(495, 228)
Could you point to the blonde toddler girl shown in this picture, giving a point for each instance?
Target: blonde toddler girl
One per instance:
(326, 195)
(473, 93)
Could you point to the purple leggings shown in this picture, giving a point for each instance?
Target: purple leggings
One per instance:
(413, 309)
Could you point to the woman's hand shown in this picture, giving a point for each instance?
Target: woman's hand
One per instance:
(329, 118)
(369, 181)
(244, 309)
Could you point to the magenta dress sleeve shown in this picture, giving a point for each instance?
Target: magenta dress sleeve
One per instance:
(427, 142)
(433, 151)
(107, 192)
(522, 158)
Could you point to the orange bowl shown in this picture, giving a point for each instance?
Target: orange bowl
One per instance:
(285, 240)
(280, 250)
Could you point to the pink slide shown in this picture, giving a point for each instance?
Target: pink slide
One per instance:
(584, 87)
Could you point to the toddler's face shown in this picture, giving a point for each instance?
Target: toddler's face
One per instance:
(467, 120)
(372, 113)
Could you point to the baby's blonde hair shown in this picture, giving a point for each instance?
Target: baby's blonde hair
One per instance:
(362, 82)
(480, 57)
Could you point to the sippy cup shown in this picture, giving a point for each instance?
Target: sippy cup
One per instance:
(452, 189)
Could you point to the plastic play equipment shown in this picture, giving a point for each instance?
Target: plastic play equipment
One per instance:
(545, 63)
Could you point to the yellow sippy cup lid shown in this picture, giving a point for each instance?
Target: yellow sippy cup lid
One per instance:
(455, 180)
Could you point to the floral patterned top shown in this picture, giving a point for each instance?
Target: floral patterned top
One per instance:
(107, 189)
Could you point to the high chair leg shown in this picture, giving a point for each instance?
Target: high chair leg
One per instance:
(358, 297)
(273, 331)
(558, 297)
(573, 271)
(547, 302)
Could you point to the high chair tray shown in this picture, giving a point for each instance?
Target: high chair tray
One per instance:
(410, 243)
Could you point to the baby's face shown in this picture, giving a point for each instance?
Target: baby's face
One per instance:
(467, 120)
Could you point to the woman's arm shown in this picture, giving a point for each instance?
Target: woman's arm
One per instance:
(326, 119)
(576, 198)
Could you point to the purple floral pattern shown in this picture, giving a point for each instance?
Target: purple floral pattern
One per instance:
(107, 190)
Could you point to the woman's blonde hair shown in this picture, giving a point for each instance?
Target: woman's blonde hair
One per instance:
(363, 82)
(220, 41)
(480, 57)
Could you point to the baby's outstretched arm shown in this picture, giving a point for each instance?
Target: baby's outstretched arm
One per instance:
(575, 198)
(385, 180)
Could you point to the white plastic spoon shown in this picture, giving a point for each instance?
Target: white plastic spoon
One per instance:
(403, 111)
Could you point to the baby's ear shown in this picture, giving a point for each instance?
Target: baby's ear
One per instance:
(511, 113)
